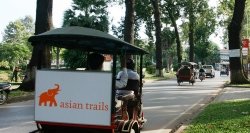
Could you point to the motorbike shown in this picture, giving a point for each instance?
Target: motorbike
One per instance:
(4, 92)
(202, 76)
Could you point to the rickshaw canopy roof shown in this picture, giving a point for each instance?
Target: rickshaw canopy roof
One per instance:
(224, 63)
(86, 39)
(188, 63)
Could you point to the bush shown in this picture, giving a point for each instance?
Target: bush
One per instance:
(4, 65)
(151, 69)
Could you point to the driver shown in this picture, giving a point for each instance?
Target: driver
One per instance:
(132, 75)
(95, 62)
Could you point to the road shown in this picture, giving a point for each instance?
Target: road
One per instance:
(165, 105)
(17, 117)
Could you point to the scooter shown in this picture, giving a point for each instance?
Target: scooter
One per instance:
(4, 92)
(202, 76)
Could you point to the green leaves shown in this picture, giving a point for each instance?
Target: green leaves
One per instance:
(15, 48)
(19, 30)
(15, 53)
(74, 59)
(88, 13)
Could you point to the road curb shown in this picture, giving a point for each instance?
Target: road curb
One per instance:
(183, 122)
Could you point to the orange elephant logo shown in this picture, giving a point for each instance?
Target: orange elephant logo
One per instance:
(49, 96)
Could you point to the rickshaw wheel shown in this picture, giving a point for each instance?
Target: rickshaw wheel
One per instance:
(3, 97)
(132, 131)
(39, 126)
(135, 129)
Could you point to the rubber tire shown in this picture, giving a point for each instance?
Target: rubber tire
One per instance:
(3, 97)
(135, 129)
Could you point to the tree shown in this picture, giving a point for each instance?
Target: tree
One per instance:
(207, 53)
(129, 22)
(41, 57)
(224, 16)
(204, 27)
(234, 30)
(191, 30)
(88, 13)
(193, 9)
(75, 59)
(15, 49)
(15, 54)
(172, 12)
(169, 49)
(158, 42)
(18, 31)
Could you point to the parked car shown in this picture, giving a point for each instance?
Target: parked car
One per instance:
(209, 70)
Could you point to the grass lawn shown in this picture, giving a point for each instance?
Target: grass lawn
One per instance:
(5, 75)
(165, 76)
(222, 117)
(17, 93)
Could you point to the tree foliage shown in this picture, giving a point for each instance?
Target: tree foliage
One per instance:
(207, 53)
(75, 59)
(15, 48)
(15, 54)
(87, 13)
(18, 31)
(200, 25)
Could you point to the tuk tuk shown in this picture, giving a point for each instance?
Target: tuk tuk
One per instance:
(186, 73)
(86, 101)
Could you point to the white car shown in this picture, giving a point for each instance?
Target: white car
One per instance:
(209, 70)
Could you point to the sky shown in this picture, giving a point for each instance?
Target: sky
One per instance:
(12, 10)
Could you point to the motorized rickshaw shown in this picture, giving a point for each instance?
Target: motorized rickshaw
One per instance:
(186, 73)
(86, 101)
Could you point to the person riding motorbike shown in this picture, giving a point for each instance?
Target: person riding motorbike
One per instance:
(202, 74)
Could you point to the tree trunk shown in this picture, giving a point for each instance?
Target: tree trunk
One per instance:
(158, 42)
(178, 42)
(41, 54)
(129, 21)
(234, 30)
(191, 33)
(57, 51)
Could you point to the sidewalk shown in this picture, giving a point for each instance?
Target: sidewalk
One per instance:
(233, 93)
